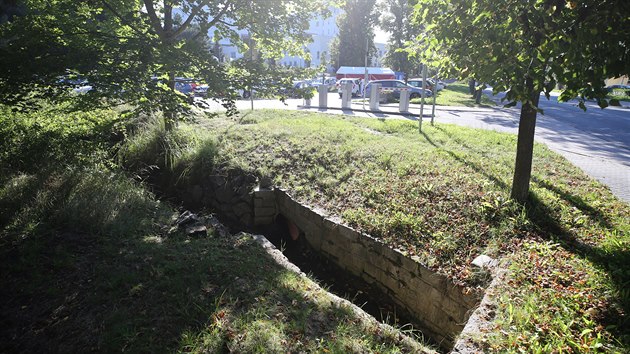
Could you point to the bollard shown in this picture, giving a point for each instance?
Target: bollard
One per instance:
(404, 100)
(375, 93)
(346, 95)
(323, 96)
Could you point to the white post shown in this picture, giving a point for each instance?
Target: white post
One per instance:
(323, 96)
(424, 84)
(435, 84)
(375, 92)
(404, 101)
(346, 95)
(365, 76)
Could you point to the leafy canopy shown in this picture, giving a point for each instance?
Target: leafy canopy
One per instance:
(130, 51)
(577, 43)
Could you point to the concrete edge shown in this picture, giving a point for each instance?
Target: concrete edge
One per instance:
(480, 321)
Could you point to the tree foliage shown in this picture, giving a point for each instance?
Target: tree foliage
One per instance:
(356, 25)
(527, 47)
(397, 21)
(131, 51)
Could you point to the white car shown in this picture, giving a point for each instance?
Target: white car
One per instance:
(355, 86)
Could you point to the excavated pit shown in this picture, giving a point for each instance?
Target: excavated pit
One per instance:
(384, 281)
(335, 279)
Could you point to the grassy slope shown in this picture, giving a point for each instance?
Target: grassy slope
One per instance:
(88, 263)
(456, 94)
(442, 195)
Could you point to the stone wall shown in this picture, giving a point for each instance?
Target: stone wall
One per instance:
(440, 307)
(230, 193)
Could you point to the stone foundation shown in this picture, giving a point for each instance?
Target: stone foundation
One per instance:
(440, 307)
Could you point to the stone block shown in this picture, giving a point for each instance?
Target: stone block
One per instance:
(410, 263)
(265, 197)
(390, 281)
(242, 208)
(265, 220)
(223, 194)
(454, 309)
(355, 266)
(265, 212)
(246, 219)
(432, 278)
(334, 250)
(330, 225)
(358, 251)
(313, 240)
(367, 277)
(348, 233)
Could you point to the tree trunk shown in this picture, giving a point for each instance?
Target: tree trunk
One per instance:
(167, 41)
(170, 119)
(525, 148)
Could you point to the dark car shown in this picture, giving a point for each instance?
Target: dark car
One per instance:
(395, 86)
(185, 86)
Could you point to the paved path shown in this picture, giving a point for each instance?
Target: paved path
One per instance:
(597, 141)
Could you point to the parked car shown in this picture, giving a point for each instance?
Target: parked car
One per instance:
(619, 89)
(297, 89)
(431, 85)
(395, 86)
(355, 86)
(201, 90)
(185, 85)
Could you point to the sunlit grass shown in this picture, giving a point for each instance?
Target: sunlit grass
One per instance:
(456, 94)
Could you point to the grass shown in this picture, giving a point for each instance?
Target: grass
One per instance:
(90, 262)
(443, 196)
(440, 195)
(456, 94)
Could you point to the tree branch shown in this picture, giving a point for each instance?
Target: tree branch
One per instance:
(190, 18)
(121, 18)
(214, 21)
(155, 21)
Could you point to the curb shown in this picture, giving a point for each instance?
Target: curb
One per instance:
(405, 114)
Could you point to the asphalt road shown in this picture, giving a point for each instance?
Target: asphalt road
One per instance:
(596, 140)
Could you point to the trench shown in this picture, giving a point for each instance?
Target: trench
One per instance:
(384, 282)
(338, 281)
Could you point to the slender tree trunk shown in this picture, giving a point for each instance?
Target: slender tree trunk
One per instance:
(478, 96)
(169, 115)
(525, 148)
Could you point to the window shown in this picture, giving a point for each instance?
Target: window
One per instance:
(400, 84)
(233, 55)
(317, 55)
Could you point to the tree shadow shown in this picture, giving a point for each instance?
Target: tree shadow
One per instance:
(474, 166)
(615, 261)
(147, 289)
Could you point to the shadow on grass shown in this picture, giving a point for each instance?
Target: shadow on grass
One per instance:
(615, 261)
(474, 166)
(63, 289)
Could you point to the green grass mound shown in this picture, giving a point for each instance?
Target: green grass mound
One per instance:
(90, 261)
(443, 196)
